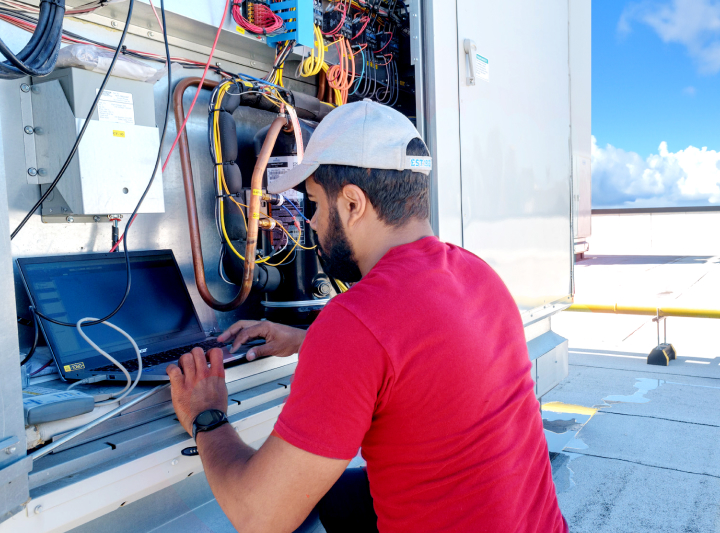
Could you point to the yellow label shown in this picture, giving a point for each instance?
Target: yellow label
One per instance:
(118, 133)
(326, 48)
(257, 192)
(74, 366)
(240, 30)
(402, 82)
(256, 216)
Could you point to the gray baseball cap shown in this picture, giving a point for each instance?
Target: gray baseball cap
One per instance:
(362, 134)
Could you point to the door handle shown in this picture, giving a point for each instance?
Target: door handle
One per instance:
(470, 49)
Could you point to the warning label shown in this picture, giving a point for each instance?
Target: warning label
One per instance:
(277, 167)
(482, 67)
(116, 106)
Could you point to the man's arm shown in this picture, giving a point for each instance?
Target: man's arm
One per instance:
(273, 489)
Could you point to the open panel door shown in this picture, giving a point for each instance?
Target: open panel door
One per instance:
(515, 138)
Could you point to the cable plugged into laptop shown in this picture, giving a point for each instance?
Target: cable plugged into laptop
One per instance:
(87, 381)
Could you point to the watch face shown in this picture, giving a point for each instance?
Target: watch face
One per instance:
(207, 418)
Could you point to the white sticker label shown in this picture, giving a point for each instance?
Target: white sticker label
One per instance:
(117, 107)
(278, 166)
(482, 67)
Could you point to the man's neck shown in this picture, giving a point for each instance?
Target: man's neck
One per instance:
(389, 237)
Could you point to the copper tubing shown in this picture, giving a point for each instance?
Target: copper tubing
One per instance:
(253, 211)
(254, 207)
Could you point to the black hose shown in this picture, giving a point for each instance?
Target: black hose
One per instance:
(39, 55)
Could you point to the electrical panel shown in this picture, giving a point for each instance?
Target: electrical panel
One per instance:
(115, 158)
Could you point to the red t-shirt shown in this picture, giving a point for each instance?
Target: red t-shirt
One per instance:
(424, 364)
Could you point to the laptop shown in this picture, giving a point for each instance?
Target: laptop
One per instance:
(158, 313)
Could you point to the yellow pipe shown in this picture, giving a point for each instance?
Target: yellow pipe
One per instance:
(649, 311)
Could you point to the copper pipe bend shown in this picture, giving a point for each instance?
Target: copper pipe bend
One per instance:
(193, 223)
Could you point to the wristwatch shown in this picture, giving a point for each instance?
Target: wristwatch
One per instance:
(208, 420)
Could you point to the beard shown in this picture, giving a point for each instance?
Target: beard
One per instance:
(337, 254)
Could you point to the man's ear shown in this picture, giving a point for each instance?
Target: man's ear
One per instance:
(353, 204)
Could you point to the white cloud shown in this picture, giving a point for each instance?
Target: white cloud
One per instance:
(694, 24)
(665, 179)
(690, 91)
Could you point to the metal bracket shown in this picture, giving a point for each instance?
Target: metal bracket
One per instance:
(657, 319)
(26, 112)
(415, 29)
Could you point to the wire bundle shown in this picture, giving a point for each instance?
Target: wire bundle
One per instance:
(312, 65)
(40, 54)
(262, 19)
(340, 77)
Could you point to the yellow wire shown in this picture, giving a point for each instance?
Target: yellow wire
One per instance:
(341, 285)
(221, 177)
(311, 65)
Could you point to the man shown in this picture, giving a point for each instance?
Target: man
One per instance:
(422, 363)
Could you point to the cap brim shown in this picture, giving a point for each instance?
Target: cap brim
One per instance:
(292, 178)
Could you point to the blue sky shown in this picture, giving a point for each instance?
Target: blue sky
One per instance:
(656, 79)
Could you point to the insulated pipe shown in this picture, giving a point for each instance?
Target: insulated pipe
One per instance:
(647, 311)
(253, 211)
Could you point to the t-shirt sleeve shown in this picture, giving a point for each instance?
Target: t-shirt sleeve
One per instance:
(342, 376)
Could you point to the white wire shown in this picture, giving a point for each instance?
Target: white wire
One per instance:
(128, 387)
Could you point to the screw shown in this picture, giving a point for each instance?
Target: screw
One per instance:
(96, 218)
(29, 130)
(174, 462)
(50, 210)
(32, 171)
(38, 509)
(150, 34)
(252, 63)
(414, 14)
(217, 64)
(25, 88)
(11, 450)
(114, 24)
(65, 209)
(70, 219)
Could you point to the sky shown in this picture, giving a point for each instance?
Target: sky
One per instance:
(655, 103)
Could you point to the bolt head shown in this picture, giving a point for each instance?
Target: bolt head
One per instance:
(25, 88)
(96, 218)
(29, 130)
(11, 450)
(38, 509)
(114, 24)
(174, 462)
(70, 219)
(32, 171)
(150, 34)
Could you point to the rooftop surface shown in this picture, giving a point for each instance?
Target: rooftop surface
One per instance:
(637, 447)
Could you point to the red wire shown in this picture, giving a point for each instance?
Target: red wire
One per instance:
(387, 43)
(344, 10)
(187, 115)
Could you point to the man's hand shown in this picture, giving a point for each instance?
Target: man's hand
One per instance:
(197, 388)
(281, 340)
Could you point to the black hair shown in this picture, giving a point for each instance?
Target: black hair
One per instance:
(396, 195)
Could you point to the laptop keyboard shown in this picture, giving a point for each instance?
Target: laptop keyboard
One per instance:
(162, 357)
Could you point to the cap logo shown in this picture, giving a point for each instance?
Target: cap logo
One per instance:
(419, 163)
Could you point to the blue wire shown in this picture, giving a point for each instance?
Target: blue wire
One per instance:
(288, 211)
(296, 209)
(357, 83)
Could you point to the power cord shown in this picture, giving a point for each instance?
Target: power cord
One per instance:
(130, 385)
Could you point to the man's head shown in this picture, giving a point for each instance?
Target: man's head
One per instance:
(367, 172)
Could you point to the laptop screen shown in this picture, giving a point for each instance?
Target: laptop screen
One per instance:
(68, 288)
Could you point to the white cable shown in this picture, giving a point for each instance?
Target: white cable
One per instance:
(128, 387)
